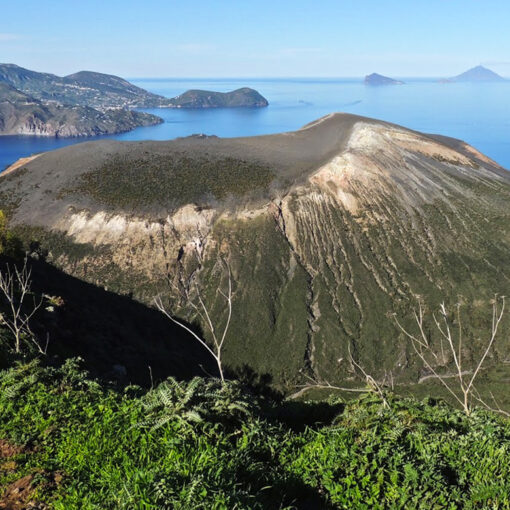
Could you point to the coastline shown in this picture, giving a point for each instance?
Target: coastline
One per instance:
(19, 163)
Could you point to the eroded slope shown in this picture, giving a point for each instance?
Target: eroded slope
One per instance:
(326, 230)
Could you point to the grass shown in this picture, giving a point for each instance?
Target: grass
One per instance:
(199, 445)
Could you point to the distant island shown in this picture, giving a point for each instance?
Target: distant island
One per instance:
(89, 103)
(244, 97)
(375, 79)
(476, 74)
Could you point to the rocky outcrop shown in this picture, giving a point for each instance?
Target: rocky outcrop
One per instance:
(376, 80)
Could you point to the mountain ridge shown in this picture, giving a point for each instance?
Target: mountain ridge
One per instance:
(80, 89)
(103, 91)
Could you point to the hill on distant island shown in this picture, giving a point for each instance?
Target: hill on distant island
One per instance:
(85, 88)
(378, 79)
(103, 91)
(244, 97)
(477, 74)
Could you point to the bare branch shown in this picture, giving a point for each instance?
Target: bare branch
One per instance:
(159, 305)
(372, 383)
(204, 313)
(15, 287)
(465, 392)
(496, 319)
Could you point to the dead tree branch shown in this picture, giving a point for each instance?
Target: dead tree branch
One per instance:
(202, 310)
(22, 305)
(464, 392)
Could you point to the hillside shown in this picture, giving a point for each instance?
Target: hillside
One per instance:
(244, 97)
(68, 442)
(95, 90)
(326, 230)
(21, 114)
(375, 79)
(103, 91)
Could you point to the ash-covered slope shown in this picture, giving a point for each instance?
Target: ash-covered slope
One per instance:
(326, 230)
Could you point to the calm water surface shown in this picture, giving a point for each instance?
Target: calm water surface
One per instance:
(476, 113)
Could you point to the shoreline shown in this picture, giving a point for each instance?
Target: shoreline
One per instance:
(19, 163)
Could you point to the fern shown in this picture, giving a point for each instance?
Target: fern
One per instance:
(195, 401)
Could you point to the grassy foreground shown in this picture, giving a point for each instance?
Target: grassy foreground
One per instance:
(77, 444)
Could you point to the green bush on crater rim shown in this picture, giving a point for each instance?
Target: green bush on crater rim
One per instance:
(175, 181)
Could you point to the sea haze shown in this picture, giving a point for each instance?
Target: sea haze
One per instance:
(476, 113)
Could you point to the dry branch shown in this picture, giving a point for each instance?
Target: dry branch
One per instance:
(464, 390)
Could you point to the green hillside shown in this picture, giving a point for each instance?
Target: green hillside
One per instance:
(70, 443)
(243, 97)
(85, 88)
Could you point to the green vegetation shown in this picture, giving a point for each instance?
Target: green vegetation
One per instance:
(312, 278)
(85, 88)
(74, 442)
(176, 180)
(103, 91)
(201, 445)
(10, 244)
(244, 97)
(312, 286)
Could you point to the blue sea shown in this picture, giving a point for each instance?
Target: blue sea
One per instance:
(476, 113)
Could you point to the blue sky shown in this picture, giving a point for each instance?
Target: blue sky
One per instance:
(165, 38)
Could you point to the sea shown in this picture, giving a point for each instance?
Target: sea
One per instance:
(478, 113)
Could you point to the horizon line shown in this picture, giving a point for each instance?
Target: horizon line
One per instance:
(284, 77)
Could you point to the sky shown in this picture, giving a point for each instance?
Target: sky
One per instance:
(264, 38)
